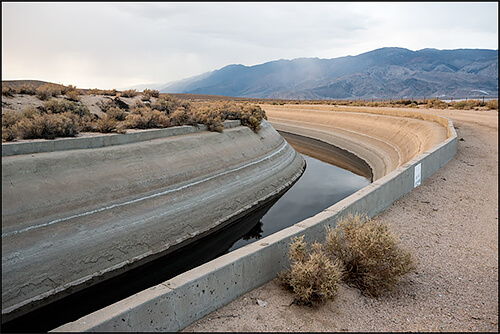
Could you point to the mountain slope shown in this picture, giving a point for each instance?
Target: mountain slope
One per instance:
(381, 73)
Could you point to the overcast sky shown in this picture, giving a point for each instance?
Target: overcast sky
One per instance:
(118, 45)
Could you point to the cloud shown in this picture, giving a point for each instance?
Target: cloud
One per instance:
(109, 45)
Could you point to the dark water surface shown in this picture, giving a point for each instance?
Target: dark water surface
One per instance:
(321, 186)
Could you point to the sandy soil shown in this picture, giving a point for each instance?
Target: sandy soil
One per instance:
(450, 223)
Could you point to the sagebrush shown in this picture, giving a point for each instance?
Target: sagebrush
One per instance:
(313, 275)
(360, 251)
(156, 111)
(373, 259)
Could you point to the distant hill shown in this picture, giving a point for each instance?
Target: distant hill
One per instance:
(382, 73)
(17, 83)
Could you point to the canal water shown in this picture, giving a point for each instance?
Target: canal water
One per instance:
(320, 186)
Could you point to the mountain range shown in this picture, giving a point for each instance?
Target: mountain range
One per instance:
(382, 73)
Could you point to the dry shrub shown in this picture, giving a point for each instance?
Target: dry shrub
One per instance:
(210, 116)
(93, 91)
(169, 104)
(313, 276)
(105, 104)
(493, 104)
(150, 93)
(467, 105)
(108, 92)
(48, 90)
(250, 115)
(31, 112)
(47, 126)
(9, 119)
(26, 89)
(147, 94)
(88, 123)
(56, 106)
(73, 94)
(181, 116)
(129, 93)
(8, 134)
(373, 260)
(436, 103)
(8, 91)
(145, 118)
(116, 113)
(106, 124)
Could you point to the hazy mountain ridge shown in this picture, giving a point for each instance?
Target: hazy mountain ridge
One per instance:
(381, 73)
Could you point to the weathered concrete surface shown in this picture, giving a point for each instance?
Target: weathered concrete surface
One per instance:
(96, 140)
(180, 301)
(74, 217)
(328, 153)
(386, 138)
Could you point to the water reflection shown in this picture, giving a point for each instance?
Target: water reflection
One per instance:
(321, 186)
(255, 233)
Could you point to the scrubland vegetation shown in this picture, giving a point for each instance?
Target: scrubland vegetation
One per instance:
(402, 103)
(360, 251)
(62, 113)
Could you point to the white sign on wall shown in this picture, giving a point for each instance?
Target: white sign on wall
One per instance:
(418, 175)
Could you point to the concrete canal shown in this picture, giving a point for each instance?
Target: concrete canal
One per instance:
(321, 185)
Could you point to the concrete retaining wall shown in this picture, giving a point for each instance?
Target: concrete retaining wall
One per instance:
(134, 136)
(178, 302)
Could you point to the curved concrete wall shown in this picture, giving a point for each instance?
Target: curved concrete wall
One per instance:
(102, 140)
(178, 302)
(74, 217)
(385, 139)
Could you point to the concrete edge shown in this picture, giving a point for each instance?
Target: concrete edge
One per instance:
(62, 144)
(178, 302)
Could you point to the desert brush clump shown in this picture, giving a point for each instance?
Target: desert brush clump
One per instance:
(249, 115)
(147, 94)
(129, 93)
(116, 113)
(47, 126)
(56, 118)
(373, 259)
(72, 93)
(146, 118)
(8, 91)
(9, 119)
(492, 104)
(360, 251)
(44, 92)
(313, 275)
(57, 106)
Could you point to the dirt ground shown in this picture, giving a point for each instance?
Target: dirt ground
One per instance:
(449, 223)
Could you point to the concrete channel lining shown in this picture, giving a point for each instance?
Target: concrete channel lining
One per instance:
(178, 302)
(62, 144)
